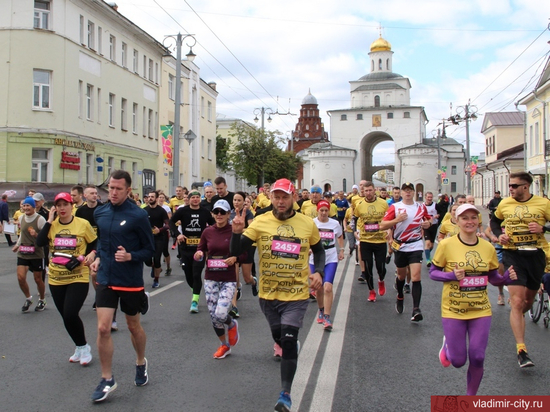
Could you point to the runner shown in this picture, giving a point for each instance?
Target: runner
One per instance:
(342, 205)
(30, 256)
(165, 249)
(177, 200)
(449, 227)
(158, 219)
(349, 223)
(284, 239)
(69, 278)
(77, 194)
(194, 220)
(466, 263)
(221, 191)
(430, 233)
(407, 217)
(206, 203)
(219, 277)
(332, 239)
(125, 243)
(523, 216)
(372, 244)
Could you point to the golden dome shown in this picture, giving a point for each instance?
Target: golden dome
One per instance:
(380, 45)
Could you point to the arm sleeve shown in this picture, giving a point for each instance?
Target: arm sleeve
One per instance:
(318, 258)
(496, 280)
(496, 227)
(42, 238)
(437, 273)
(239, 242)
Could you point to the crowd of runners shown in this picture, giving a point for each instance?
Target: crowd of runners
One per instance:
(300, 237)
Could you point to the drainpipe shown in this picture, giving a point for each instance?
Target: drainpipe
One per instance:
(544, 104)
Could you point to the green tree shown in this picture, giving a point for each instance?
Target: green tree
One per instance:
(222, 153)
(256, 155)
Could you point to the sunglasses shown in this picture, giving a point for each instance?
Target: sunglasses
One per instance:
(219, 212)
(516, 185)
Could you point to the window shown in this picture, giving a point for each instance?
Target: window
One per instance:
(41, 89)
(387, 64)
(124, 49)
(81, 29)
(390, 116)
(171, 85)
(111, 110)
(202, 147)
(202, 106)
(40, 165)
(134, 118)
(376, 101)
(123, 165)
(359, 116)
(537, 139)
(134, 172)
(99, 105)
(150, 124)
(89, 101)
(42, 14)
(110, 165)
(531, 140)
(144, 121)
(144, 66)
(209, 111)
(80, 86)
(156, 73)
(123, 111)
(343, 117)
(453, 187)
(135, 61)
(453, 170)
(89, 168)
(112, 48)
(407, 115)
(209, 149)
(91, 35)
(99, 40)
(379, 64)
(151, 69)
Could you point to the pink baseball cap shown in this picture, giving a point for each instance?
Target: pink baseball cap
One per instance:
(284, 185)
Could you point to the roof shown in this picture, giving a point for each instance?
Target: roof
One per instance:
(496, 119)
(380, 76)
(381, 86)
(327, 146)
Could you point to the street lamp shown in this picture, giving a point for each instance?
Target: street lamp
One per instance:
(179, 38)
(263, 111)
(466, 114)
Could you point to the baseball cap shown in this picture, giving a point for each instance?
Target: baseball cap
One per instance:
(63, 196)
(327, 194)
(283, 185)
(323, 203)
(222, 204)
(29, 201)
(38, 197)
(355, 187)
(463, 208)
(316, 189)
(407, 186)
(206, 184)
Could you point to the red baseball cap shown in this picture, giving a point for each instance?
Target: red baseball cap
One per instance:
(284, 185)
(63, 196)
(323, 203)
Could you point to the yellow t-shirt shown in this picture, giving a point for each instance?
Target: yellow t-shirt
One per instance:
(283, 250)
(518, 215)
(355, 200)
(263, 201)
(310, 209)
(348, 217)
(72, 239)
(18, 213)
(465, 302)
(369, 215)
(174, 203)
(333, 210)
(448, 228)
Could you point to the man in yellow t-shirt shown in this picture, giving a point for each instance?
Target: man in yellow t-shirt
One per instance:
(177, 201)
(263, 199)
(309, 207)
(284, 239)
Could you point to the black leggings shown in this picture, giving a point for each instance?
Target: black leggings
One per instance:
(378, 250)
(192, 269)
(68, 300)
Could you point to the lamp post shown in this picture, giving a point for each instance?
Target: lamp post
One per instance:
(466, 114)
(263, 111)
(179, 38)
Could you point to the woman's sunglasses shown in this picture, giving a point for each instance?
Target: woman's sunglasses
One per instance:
(219, 212)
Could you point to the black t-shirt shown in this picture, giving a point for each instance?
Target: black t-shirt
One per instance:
(193, 223)
(157, 215)
(228, 197)
(205, 204)
(86, 212)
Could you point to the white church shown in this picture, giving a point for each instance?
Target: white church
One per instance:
(381, 111)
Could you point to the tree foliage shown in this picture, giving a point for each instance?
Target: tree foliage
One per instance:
(256, 156)
(222, 153)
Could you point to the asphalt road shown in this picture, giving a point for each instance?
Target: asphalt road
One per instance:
(374, 360)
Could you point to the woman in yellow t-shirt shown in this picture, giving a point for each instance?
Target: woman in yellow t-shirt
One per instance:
(449, 227)
(466, 264)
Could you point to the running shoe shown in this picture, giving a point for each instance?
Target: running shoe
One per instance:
(141, 374)
(233, 334)
(174, 246)
(372, 296)
(356, 263)
(361, 279)
(114, 326)
(416, 315)
(222, 351)
(523, 360)
(429, 263)
(40, 306)
(443, 355)
(103, 390)
(155, 285)
(235, 312)
(500, 300)
(284, 403)
(76, 356)
(255, 286)
(277, 351)
(320, 317)
(85, 355)
(407, 288)
(194, 307)
(145, 303)
(327, 324)
(239, 293)
(168, 272)
(399, 305)
(26, 305)
(388, 259)
(381, 288)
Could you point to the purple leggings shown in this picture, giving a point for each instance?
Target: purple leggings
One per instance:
(455, 331)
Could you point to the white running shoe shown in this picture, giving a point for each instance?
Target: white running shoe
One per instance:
(85, 355)
(76, 356)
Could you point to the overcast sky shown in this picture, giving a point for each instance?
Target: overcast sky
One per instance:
(488, 51)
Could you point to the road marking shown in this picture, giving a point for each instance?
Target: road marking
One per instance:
(310, 346)
(165, 288)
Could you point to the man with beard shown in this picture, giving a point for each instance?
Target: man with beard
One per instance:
(194, 220)
(284, 239)
(158, 218)
(221, 191)
(305, 196)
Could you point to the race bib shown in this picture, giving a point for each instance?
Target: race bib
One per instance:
(372, 227)
(328, 235)
(286, 247)
(192, 241)
(26, 250)
(217, 264)
(395, 245)
(470, 283)
(524, 240)
(64, 242)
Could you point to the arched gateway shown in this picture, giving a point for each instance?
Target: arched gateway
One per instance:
(368, 143)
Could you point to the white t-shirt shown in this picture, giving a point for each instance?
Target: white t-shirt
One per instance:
(432, 212)
(329, 231)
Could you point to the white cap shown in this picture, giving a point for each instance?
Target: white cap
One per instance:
(222, 204)
(463, 208)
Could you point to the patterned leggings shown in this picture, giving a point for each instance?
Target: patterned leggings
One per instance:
(218, 298)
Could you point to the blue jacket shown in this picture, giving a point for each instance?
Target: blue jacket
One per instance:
(126, 225)
(4, 211)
